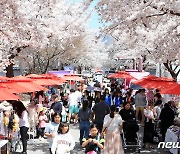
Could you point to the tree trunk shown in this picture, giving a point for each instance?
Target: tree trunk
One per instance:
(174, 73)
(9, 71)
(79, 68)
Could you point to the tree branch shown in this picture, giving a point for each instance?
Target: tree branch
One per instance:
(175, 68)
(153, 15)
(167, 10)
(178, 72)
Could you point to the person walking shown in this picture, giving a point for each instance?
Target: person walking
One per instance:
(99, 111)
(93, 143)
(108, 97)
(118, 101)
(127, 113)
(63, 143)
(23, 123)
(167, 118)
(113, 126)
(140, 103)
(87, 96)
(51, 129)
(84, 117)
(42, 123)
(56, 107)
(149, 126)
(73, 105)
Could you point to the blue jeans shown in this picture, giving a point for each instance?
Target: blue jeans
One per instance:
(84, 129)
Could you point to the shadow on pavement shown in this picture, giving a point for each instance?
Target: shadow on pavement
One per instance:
(77, 149)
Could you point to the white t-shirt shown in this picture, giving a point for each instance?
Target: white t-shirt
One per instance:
(52, 127)
(157, 110)
(24, 119)
(72, 99)
(116, 122)
(62, 144)
(78, 95)
(148, 113)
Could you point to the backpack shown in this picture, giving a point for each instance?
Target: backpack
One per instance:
(11, 122)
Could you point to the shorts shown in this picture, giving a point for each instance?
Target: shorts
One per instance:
(73, 109)
(140, 108)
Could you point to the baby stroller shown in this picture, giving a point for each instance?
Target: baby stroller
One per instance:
(130, 137)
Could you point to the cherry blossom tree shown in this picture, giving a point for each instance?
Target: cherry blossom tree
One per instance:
(32, 28)
(151, 27)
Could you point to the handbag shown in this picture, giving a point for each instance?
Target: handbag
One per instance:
(105, 129)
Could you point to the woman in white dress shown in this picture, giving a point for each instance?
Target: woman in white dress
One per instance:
(113, 126)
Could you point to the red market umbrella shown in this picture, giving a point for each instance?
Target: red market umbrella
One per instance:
(172, 90)
(53, 77)
(3, 78)
(20, 78)
(49, 76)
(156, 82)
(32, 86)
(27, 83)
(6, 95)
(21, 87)
(47, 82)
(14, 88)
(46, 79)
(121, 75)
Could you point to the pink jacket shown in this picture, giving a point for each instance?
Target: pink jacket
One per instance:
(42, 121)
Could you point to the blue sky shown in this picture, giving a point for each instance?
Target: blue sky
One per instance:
(94, 23)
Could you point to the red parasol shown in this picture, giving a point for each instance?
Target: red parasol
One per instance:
(172, 90)
(47, 82)
(6, 95)
(19, 78)
(21, 87)
(54, 77)
(27, 83)
(3, 78)
(121, 75)
(156, 82)
(46, 79)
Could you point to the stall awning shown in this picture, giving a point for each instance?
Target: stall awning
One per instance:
(6, 95)
(121, 75)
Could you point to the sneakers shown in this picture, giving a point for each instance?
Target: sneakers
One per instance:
(41, 138)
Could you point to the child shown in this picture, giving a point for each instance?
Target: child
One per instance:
(42, 123)
(63, 143)
(93, 143)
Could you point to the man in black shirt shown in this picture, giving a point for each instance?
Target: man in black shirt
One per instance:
(99, 111)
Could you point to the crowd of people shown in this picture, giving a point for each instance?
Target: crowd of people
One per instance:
(105, 117)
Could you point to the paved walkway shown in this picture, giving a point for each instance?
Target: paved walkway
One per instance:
(41, 147)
